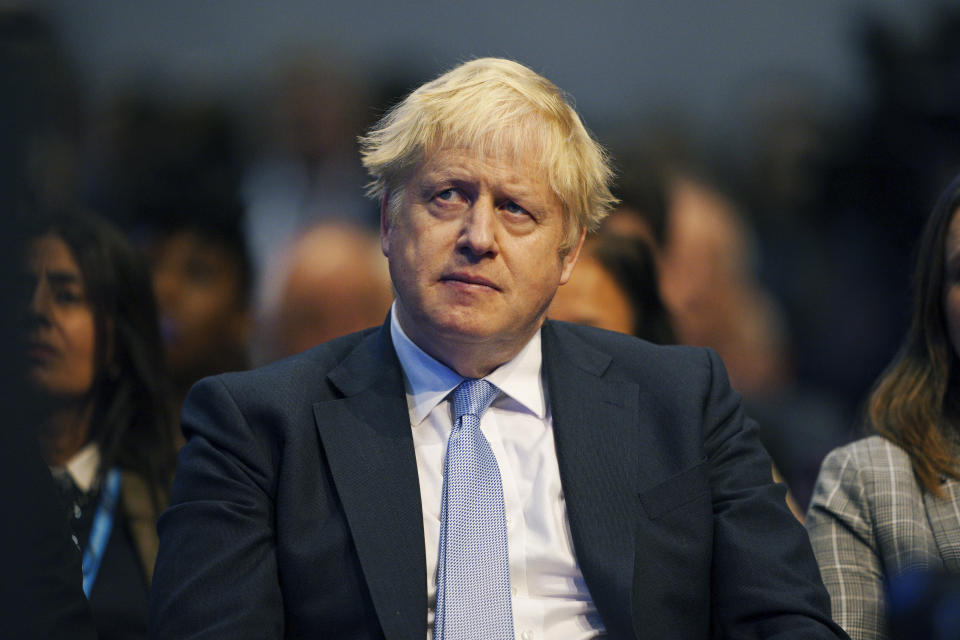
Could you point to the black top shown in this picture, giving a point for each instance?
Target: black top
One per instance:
(120, 592)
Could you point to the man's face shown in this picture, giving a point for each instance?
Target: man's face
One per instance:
(475, 256)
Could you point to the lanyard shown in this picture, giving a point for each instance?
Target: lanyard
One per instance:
(100, 533)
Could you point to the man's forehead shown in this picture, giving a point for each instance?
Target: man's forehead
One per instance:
(506, 167)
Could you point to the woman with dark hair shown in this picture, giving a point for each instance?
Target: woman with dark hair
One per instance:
(891, 502)
(95, 364)
(615, 287)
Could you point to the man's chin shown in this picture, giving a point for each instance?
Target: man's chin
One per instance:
(465, 330)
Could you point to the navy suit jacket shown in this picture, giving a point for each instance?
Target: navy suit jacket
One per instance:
(296, 506)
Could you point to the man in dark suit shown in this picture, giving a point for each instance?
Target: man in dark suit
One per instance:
(468, 470)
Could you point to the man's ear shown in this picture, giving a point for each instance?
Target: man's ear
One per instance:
(385, 223)
(570, 259)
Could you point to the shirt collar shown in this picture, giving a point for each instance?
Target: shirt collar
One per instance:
(429, 381)
(82, 466)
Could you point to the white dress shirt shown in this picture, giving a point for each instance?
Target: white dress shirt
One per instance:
(82, 466)
(550, 597)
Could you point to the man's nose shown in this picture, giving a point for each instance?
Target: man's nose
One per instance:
(479, 229)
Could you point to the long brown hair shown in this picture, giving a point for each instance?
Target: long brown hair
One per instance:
(911, 403)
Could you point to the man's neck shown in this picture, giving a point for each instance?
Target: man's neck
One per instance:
(469, 358)
(474, 362)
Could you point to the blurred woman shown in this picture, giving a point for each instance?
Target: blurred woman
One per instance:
(614, 287)
(95, 364)
(891, 502)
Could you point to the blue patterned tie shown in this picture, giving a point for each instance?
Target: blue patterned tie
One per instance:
(473, 571)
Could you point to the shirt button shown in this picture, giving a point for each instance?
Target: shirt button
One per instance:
(527, 635)
(77, 513)
(509, 521)
(514, 591)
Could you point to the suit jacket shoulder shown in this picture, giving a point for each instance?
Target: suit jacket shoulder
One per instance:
(631, 357)
(276, 398)
(299, 376)
(870, 485)
(295, 508)
(670, 374)
(869, 519)
(680, 397)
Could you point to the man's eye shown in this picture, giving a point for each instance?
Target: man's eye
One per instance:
(513, 207)
(446, 194)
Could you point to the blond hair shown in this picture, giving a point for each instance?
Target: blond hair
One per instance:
(494, 107)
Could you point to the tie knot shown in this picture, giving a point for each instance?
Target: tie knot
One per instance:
(473, 396)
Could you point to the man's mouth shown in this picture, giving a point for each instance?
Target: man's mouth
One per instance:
(469, 279)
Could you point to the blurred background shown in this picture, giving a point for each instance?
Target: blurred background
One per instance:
(783, 155)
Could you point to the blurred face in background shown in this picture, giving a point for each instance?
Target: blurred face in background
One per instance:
(951, 281)
(333, 281)
(203, 315)
(704, 274)
(592, 297)
(62, 338)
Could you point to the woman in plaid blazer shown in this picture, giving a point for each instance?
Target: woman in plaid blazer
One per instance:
(891, 502)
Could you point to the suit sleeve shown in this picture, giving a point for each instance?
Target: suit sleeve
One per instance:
(216, 572)
(765, 578)
(844, 541)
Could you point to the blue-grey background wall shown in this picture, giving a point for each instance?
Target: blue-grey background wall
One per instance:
(613, 57)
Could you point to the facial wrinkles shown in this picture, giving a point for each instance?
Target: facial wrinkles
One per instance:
(517, 174)
(485, 187)
(474, 256)
(538, 183)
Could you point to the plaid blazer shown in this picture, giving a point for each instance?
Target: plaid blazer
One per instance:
(869, 518)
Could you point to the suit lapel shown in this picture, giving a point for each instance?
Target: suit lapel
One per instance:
(596, 430)
(369, 448)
